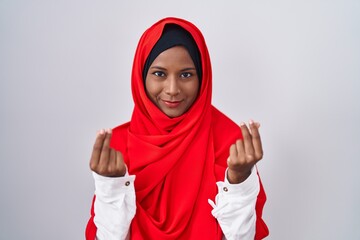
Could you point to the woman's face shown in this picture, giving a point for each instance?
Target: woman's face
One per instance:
(172, 83)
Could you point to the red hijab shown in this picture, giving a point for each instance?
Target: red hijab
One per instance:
(177, 161)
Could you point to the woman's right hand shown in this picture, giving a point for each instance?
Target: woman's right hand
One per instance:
(104, 160)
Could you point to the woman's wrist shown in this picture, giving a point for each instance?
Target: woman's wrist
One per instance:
(235, 177)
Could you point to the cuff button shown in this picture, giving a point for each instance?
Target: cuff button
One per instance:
(127, 183)
(225, 189)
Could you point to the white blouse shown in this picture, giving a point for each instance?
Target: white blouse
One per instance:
(115, 207)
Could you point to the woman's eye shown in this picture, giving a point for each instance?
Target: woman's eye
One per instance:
(159, 74)
(186, 75)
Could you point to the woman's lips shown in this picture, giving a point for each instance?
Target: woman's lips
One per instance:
(171, 104)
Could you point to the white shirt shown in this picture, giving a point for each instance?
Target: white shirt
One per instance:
(234, 207)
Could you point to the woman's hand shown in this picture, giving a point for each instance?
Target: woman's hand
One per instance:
(245, 153)
(104, 160)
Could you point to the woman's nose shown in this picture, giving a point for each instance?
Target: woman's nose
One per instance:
(172, 87)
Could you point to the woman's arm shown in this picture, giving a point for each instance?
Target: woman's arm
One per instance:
(114, 206)
(114, 202)
(241, 196)
(234, 207)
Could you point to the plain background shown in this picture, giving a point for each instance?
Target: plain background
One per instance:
(292, 65)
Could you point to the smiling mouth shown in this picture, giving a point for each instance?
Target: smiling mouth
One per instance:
(172, 104)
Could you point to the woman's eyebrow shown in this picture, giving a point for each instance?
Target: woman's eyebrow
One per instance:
(187, 69)
(162, 68)
(158, 67)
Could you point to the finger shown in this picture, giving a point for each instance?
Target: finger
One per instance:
(248, 146)
(105, 152)
(240, 150)
(120, 165)
(95, 155)
(253, 124)
(111, 167)
(256, 140)
(232, 155)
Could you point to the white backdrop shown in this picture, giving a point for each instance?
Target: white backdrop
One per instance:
(292, 65)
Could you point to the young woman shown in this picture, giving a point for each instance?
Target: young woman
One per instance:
(195, 168)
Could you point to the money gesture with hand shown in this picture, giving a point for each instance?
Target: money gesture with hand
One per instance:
(104, 160)
(244, 153)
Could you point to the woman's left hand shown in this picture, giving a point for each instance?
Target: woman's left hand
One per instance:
(245, 153)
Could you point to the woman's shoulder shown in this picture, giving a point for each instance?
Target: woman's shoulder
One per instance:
(223, 123)
(119, 136)
(121, 128)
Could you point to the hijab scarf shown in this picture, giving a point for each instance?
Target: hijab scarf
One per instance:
(177, 161)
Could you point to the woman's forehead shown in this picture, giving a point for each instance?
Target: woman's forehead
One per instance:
(176, 55)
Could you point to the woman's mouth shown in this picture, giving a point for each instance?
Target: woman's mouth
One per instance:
(172, 104)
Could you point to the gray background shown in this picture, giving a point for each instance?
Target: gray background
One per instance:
(292, 65)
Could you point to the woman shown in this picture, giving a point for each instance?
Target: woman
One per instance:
(183, 152)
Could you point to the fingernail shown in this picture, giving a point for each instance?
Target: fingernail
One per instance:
(251, 121)
(102, 132)
(108, 130)
(242, 124)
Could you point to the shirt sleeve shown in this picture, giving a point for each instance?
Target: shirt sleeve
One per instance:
(114, 206)
(234, 207)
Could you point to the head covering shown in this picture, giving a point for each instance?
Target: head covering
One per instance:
(177, 161)
(174, 35)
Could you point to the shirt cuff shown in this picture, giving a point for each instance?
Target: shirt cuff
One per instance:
(245, 188)
(112, 187)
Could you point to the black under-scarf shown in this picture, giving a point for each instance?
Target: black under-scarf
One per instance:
(174, 35)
